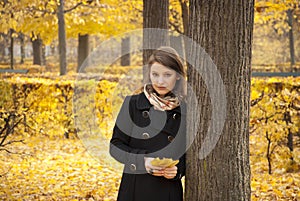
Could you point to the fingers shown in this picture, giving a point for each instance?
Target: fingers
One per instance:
(158, 173)
(153, 170)
(170, 173)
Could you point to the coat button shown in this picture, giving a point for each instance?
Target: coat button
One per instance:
(145, 135)
(132, 167)
(175, 116)
(145, 114)
(170, 138)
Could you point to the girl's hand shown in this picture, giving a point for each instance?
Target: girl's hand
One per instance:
(153, 170)
(170, 173)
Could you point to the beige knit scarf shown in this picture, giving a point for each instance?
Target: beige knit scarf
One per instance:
(169, 102)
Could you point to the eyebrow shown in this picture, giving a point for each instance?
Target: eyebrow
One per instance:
(153, 71)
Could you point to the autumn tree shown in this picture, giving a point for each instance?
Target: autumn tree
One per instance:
(282, 16)
(224, 30)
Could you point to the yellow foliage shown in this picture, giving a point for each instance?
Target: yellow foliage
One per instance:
(53, 168)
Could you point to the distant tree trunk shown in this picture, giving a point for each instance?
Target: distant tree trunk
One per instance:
(37, 50)
(83, 49)
(52, 47)
(125, 48)
(11, 49)
(155, 15)
(2, 46)
(291, 37)
(224, 29)
(62, 39)
(44, 59)
(22, 47)
(288, 120)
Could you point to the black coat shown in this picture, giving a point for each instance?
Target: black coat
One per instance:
(141, 131)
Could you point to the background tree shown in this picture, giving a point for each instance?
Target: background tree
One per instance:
(62, 38)
(281, 15)
(156, 16)
(224, 30)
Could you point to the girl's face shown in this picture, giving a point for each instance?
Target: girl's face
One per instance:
(163, 79)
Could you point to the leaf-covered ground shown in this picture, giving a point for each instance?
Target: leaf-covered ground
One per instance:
(62, 169)
(55, 169)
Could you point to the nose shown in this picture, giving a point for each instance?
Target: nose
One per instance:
(160, 80)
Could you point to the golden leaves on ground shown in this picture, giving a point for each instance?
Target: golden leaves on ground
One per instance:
(55, 169)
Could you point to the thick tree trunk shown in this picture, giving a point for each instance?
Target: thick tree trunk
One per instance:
(125, 48)
(83, 49)
(62, 39)
(156, 16)
(224, 29)
(37, 50)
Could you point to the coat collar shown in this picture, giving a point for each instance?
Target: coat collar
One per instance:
(143, 103)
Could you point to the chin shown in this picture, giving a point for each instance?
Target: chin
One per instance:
(162, 93)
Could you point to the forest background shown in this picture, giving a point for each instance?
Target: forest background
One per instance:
(43, 156)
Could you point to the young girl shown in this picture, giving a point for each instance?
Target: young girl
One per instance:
(150, 125)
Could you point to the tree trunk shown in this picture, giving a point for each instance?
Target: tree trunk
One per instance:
(2, 46)
(125, 48)
(62, 39)
(11, 50)
(185, 22)
(156, 16)
(83, 49)
(44, 59)
(288, 120)
(185, 16)
(291, 38)
(22, 47)
(37, 50)
(218, 164)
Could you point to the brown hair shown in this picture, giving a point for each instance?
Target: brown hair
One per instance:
(168, 57)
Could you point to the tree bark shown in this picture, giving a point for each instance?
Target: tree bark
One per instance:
(156, 16)
(224, 29)
(83, 49)
(37, 50)
(62, 39)
(291, 38)
(185, 16)
(125, 48)
(3, 45)
(11, 49)
(22, 47)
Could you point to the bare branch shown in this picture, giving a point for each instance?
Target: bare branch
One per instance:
(13, 141)
(255, 101)
(73, 8)
(176, 27)
(10, 152)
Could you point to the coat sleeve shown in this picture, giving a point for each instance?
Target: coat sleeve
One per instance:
(132, 158)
